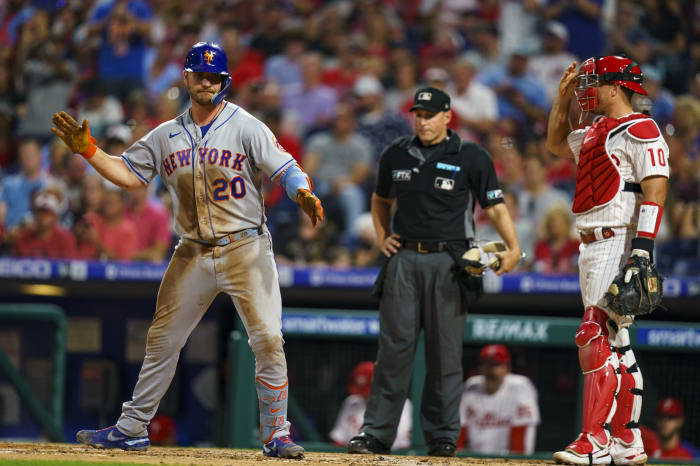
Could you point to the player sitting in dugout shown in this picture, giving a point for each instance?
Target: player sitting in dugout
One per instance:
(498, 411)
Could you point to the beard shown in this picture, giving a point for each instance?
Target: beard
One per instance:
(202, 97)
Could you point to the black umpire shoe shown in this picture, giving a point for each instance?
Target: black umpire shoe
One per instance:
(442, 447)
(364, 444)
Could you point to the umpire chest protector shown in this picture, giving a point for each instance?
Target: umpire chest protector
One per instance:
(436, 187)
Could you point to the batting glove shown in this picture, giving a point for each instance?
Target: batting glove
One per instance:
(310, 204)
(77, 137)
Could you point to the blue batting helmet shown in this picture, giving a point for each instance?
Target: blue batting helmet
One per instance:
(208, 57)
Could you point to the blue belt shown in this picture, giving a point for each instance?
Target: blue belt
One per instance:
(232, 237)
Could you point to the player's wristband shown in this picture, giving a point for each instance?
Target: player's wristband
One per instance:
(649, 220)
(90, 151)
(294, 179)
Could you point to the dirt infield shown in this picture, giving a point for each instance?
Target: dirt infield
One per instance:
(220, 456)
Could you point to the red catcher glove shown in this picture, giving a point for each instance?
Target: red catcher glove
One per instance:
(311, 205)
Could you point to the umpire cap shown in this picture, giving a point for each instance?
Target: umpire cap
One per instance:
(431, 99)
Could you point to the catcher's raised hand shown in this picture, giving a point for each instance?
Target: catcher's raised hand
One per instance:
(77, 137)
(311, 205)
(567, 84)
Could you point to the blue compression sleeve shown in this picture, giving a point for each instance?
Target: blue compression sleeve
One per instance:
(293, 179)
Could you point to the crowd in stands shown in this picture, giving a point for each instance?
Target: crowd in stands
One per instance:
(334, 80)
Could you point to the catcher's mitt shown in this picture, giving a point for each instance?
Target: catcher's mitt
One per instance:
(472, 258)
(637, 290)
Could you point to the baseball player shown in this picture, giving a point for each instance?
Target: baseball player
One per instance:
(621, 184)
(210, 159)
(352, 412)
(498, 410)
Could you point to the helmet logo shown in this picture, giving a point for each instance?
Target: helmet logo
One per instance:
(208, 57)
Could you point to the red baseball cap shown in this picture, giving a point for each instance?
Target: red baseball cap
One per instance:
(671, 407)
(495, 353)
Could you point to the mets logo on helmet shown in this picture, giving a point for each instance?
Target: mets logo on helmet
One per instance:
(208, 56)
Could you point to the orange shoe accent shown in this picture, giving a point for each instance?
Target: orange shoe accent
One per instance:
(273, 411)
(269, 439)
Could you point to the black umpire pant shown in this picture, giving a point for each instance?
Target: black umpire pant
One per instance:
(420, 292)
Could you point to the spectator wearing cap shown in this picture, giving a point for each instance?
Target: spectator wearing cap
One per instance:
(44, 237)
(352, 411)
(375, 122)
(475, 104)
(669, 426)
(498, 411)
(549, 65)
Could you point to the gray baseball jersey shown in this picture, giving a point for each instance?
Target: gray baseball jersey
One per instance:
(215, 180)
(215, 184)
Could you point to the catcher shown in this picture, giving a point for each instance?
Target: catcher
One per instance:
(621, 184)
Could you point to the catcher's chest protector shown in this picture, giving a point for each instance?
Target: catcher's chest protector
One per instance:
(598, 176)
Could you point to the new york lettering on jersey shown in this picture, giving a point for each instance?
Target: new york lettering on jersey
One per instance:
(213, 156)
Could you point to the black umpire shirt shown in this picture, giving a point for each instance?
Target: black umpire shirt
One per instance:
(436, 187)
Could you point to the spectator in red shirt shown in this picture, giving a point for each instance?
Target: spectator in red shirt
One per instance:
(153, 222)
(669, 424)
(44, 237)
(115, 236)
(557, 250)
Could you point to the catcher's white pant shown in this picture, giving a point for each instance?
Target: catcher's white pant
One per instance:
(245, 270)
(598, 264)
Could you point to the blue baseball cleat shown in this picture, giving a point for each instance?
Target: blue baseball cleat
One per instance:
(111, 437)
(283, 447)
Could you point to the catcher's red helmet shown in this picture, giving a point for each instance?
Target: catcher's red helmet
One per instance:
(360, 379)
(606, 70)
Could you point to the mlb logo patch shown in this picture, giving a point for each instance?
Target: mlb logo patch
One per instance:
(495, 194)
(401, 175)
(448, 184)
(425, 96)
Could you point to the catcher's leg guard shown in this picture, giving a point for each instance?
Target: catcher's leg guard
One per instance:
(272, 403)
(628, 447)
(600, 383)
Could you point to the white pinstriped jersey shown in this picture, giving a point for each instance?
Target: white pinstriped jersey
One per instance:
(489, 417)
(215, 180)
(637, 160)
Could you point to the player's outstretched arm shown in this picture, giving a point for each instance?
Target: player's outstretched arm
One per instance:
(78, 139)
(558, 123)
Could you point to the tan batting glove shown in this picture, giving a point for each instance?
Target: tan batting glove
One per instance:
(311, 205)
(77, 137)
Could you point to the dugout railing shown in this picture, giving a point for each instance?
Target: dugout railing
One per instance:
(341, 325)
(51, 420)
